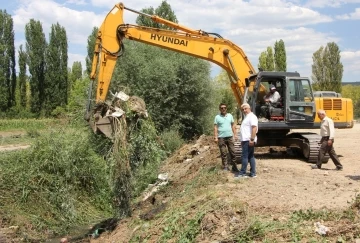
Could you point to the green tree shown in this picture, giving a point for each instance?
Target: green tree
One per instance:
(174, 86)
(56, 88)
(176, 94)
(327, 69)
(90, 49)
(270, 64)
(266, 60)
(22, 77)
(164, 11)
(280, 56)
(35, 49)
(352, 92)
(7, 60)
(262, 60)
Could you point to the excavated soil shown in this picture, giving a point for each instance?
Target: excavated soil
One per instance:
(285, 183)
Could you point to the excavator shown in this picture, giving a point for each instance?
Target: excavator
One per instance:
(296, 110)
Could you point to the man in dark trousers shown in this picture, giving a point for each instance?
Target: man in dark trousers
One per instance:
(327, 132)
(224, 135)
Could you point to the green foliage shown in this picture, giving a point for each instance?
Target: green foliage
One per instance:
(56, 76)
(176, 95)
(90, 49)
(352, 92)
(310, 214)
(145, 154)
(327, 69)
(163, 11)
(22, 77)
(58, 183)
(184, 229)
(59, 112)
(26, 124)
(266, 60)
(171, 140)
(262, 60)
(77, 99)
(280, 56)
(35, 49)
(254, 231)
(7, 60)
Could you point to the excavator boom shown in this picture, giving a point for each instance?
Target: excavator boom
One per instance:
(109, 46)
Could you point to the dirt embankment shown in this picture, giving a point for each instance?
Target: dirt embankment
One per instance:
(284, 183)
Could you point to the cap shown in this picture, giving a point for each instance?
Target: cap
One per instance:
(272, 87)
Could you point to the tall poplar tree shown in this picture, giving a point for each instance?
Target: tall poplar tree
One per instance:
(35, 49)
(90, 49)
(266, 60)
(22, 77)
(280, 56)
(327, 69)
(56, 88)
(7, 61)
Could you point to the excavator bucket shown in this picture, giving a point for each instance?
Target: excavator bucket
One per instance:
(105, 126)
(106, 115)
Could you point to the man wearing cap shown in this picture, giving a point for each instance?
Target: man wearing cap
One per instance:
(272, 97)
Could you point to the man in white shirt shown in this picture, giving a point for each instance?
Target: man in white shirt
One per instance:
(272, 97)
(248, 131)
(327, 132)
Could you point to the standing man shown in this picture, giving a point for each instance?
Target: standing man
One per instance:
(327, 132)
(248, 131)
(224, 131)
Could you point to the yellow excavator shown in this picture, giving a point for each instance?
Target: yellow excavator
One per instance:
(297, 109)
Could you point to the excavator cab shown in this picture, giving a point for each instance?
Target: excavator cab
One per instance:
(296, 103)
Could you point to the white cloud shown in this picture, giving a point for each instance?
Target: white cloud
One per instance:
(76, 2)
(351, 62)
(78, 24)
(351, 16)
(253, 24)
(329, 3)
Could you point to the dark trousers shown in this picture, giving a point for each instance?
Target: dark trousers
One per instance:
(325, 148)
(225, 145)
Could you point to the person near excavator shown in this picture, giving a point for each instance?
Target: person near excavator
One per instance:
(248, 138)
(327, 133)
(271, 98)
(224, 135)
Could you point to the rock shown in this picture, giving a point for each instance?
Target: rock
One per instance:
(64, 240)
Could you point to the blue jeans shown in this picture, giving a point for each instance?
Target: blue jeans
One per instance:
(247, 156)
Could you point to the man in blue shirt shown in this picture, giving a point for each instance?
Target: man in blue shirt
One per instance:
(224, 135)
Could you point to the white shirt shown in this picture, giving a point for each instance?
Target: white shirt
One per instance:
(246, 127)
(327, 128)
(273, 97)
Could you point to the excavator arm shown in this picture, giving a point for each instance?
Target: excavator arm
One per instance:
(211, 47)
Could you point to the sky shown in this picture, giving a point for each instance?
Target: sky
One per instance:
(253, 25)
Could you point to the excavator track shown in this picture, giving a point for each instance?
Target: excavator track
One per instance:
(311, 147)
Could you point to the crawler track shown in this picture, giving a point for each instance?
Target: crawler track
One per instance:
(311, 147)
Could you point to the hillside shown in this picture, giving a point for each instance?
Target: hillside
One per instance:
(201, 203)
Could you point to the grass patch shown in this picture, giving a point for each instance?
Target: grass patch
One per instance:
(58, 183)
(29, 124)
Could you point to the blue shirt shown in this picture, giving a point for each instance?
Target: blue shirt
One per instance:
(224, 124)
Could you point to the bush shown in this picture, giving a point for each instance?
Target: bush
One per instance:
(171, 140)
